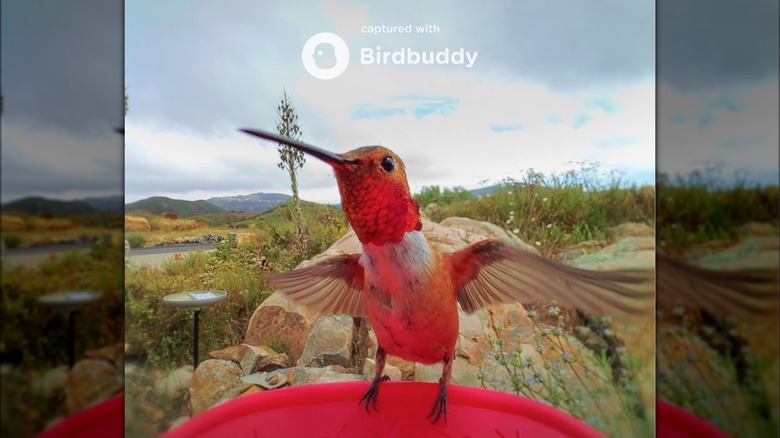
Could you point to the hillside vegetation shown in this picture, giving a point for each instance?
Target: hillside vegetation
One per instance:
(160, 204)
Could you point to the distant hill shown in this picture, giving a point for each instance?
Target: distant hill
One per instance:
(160, 204)
(107, 203)
(485, 190)
(35, 205)
(256, 202)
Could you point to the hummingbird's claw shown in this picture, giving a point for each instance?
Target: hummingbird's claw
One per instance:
(370, 397)
(440, 406)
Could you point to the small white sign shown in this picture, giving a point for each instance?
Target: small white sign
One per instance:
(78, 296)
(202, 295)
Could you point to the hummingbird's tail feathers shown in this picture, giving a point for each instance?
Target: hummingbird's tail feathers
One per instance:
(743, 294)
(333, 286)
(497, 271)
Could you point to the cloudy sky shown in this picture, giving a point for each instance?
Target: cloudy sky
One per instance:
(718, 87)
(553, 83)
(62, 98)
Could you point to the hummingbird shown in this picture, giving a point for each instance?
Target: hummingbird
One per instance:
(408, 290)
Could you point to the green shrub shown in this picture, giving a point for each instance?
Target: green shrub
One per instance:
(12, 241)
(136, 240)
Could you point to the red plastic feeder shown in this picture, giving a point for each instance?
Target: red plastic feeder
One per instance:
(331, 409)
(105, 419)
(673, 422)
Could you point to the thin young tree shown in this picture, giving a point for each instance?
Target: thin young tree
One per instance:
(291, 160)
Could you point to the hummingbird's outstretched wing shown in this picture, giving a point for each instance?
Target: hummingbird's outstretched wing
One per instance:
(744, 294)
(497, 271)
(333, 286)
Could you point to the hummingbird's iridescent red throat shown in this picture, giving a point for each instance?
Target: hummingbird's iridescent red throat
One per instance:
(409, 291)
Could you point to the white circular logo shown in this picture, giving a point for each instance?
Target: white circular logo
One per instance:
(325, 56)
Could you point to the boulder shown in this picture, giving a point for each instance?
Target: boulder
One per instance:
(89, 382)
(329, 342)
(273, 325)
(213, 382)
(175, 385)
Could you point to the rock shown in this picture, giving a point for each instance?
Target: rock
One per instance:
(709, 388)
(406, 367)
(274, 326)
(629, 229)
(178, 422)
(272, 363)
(112, 353)
(53, 422)
(152, 412)
(391, 371)
(759, 253)
(463, 373)
(252, 390)
(265, 380)
(756, 229)
(250, 356)
(50, 383)
(630, 253)
(582, 248)
(230, 353)
(90, 381)
(305, 375)
(174, 386)
(329, 342)
(215, 381)
(472, 231)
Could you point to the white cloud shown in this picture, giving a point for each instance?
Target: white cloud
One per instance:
(752, 131)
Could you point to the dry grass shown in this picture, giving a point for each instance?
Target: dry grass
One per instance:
(137, 223)
(12, 223)
(158, 223)
(165, 224)
(20, 224)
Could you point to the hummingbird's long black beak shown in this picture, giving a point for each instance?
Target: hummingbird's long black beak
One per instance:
(322, 154)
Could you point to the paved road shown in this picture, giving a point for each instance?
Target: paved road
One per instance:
(154, 256)
(170, 249)
(32, 256)
(157, 255)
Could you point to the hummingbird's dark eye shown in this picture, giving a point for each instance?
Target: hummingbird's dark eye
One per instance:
(388, 164)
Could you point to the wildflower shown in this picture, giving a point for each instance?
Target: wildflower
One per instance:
(516, 231)
(608, 333)
(549, 225)
(544, 199)
(566, 357)
(538, 243)
(553, 311)
(532, 314)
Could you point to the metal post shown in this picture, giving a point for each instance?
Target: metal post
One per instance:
(71, 337)
(195, 344)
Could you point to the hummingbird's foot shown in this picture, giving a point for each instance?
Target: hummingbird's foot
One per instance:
(440, 407)
(372, 394)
